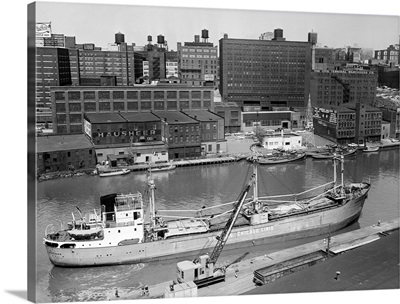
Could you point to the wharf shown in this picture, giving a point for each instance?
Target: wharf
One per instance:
(341, 243)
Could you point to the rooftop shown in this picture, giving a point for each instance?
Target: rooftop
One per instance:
(174, 117)
(53, 143)
(105, 117)
(139, 117)
(202, 115)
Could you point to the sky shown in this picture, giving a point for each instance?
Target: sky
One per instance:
(98, 23)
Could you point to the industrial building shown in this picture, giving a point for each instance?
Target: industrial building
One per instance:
(138, 136)
(393, 117)
(198, 61)
(265, 73)
(268, 120)
(348, 123)
(336, 87)
(64, 152)
(70, 103)
(231, 112)
(212, 131)
(184, 134)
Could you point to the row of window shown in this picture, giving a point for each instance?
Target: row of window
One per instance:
(132, 95)
(131, 106)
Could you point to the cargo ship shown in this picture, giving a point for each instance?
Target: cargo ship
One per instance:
(119, 234)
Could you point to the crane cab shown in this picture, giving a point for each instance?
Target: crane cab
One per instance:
(195, 270)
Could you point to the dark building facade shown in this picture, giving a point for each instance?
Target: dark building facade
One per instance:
(184, 134)
(336, 87)
(265, 73)
(349, 123)
(211, 129)
(52, 69)
(64, 152)
(231, 113)
(393, 117)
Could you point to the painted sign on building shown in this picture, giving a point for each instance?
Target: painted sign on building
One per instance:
(43, 29)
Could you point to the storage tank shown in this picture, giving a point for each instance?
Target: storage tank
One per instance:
(278, 33)
(149, 38)
(312, 37)
(160, 39)
(204, 34)
(119, 38)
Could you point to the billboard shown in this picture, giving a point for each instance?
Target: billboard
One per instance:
(43, 29)
(88, 128)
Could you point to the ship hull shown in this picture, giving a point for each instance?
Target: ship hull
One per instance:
(291, 227)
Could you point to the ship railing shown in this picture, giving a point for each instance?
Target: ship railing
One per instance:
(129, 201)
(113, 224)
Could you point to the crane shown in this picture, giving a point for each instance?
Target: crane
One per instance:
(201, 270)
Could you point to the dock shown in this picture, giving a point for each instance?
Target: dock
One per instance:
(339, 245)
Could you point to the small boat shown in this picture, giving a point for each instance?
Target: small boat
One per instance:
(371, 149)
(162, 168)
(330, 154)
(280, 159)
(114, 172)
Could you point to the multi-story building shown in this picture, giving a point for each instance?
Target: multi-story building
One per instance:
(265, 73)
(171, 64)
(70, 103)
(335, 87)
(336, 123)
(184, 134)
(393, 117)
(389, 55)
(198, 61)
(52, 69)
(231, 113)
(127, 134)
(64, 152)
(349, 123)
(211, 129)
(323, 58)
(89, 61)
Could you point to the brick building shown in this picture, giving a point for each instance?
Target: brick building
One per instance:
(52, 69)
(231, 113)
(265, 73)
(348, 123)
(393, 117)
(70, 103)
(184, 134)
(198, 61)
(336, 87)
(119, 133)
(64, 152)
(211, 129)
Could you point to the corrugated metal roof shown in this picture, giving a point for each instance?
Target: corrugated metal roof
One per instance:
(53, 143)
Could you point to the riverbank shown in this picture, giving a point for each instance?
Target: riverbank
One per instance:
(237, 149)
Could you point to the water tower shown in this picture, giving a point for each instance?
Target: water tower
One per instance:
(119, 38)
(204, 35)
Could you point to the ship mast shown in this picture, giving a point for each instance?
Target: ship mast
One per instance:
(255, 185)
(151, 185)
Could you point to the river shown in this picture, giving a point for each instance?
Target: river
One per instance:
(192, 188)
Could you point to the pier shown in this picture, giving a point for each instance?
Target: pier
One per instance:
(296, 261)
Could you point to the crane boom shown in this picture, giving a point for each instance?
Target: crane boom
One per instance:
(229, 224)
